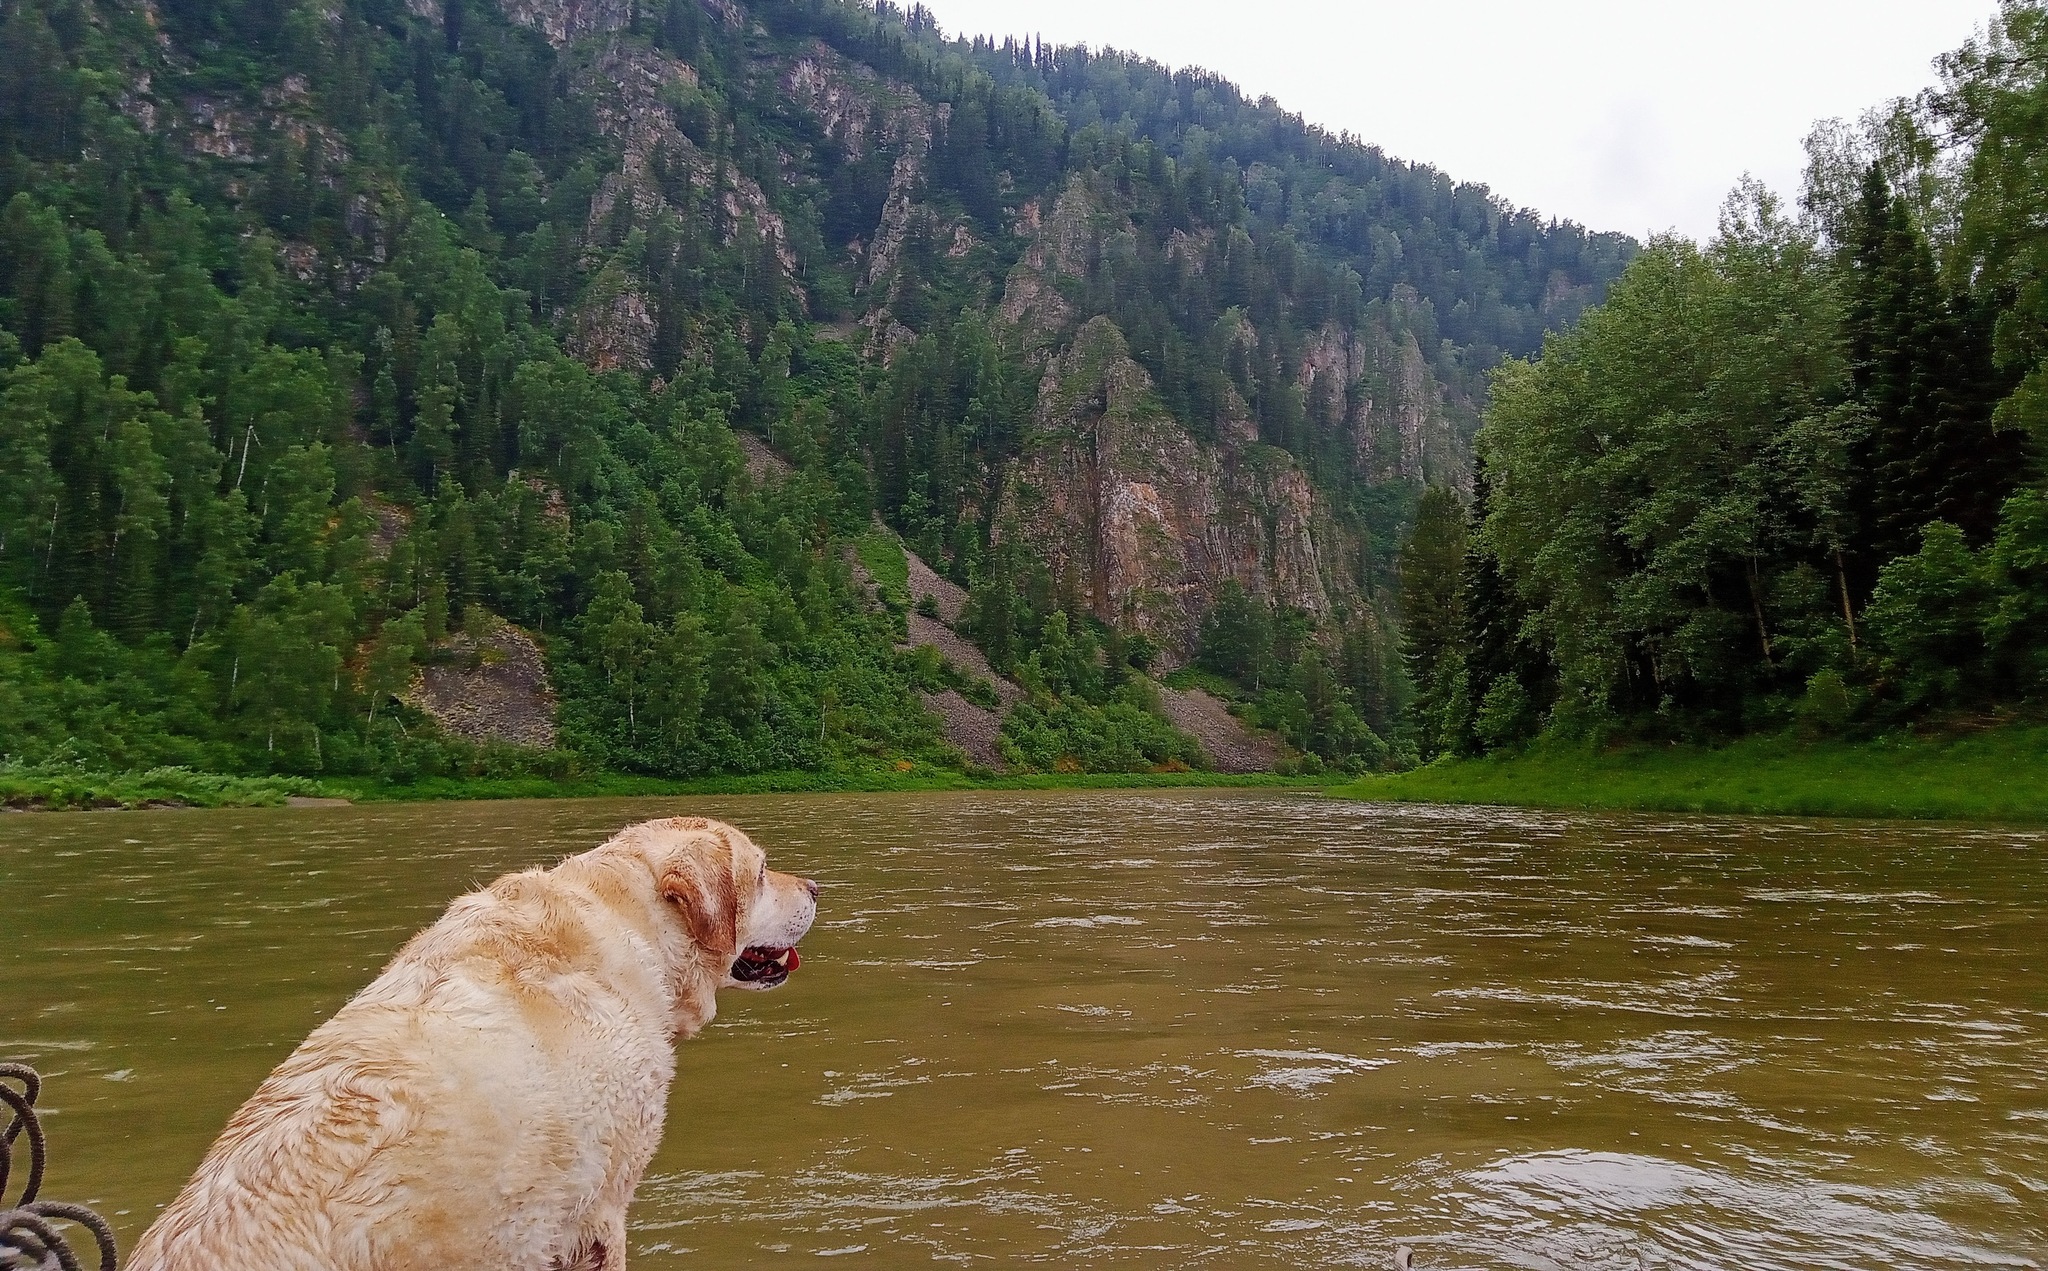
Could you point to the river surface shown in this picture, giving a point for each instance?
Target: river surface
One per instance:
(1134, 1029)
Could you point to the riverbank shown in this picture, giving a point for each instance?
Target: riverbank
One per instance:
(801, 782)
(46, 791)
(1993, 775)
(63, 789)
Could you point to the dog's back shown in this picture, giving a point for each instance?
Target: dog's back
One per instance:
(489, 1101)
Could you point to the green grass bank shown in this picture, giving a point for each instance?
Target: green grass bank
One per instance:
(32, 790)
(1997, 774)
(1993, 775)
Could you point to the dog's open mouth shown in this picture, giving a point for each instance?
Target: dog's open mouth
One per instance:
(765, 966)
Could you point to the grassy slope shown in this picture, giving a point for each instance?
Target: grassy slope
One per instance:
(1996, 775)
(882, 553)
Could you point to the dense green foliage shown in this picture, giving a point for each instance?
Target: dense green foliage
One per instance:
(1789, 479)
(289, 292)
(1088, 710)
(1333, 696)
(60, 788)
(216, 594)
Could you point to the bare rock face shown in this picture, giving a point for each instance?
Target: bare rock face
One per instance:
(564, 21)
(863, 113)
(1142, 524)
(232, 130)
(221, 130)
(489, 686)
(902, 216)
(630, 87)
(612, 329)
(816, 82)
(1065, 240)
(898, 211)
(1374, 386)
(726, 11)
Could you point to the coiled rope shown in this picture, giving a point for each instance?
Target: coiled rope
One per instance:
(30, 1238)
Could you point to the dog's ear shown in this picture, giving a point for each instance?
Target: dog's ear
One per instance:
(709, 902)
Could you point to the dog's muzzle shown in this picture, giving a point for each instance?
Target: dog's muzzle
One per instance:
(765, 966)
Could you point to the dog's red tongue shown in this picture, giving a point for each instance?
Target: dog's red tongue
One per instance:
(794, 960)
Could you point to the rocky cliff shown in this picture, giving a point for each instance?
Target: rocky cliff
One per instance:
(1143, 525)
(1144, 515)
(1373, 387)
(1134, 510)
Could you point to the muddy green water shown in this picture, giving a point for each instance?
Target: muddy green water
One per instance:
(1162, 1030)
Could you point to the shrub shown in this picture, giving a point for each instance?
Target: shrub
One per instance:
(1827, 706)
(1504, 715)
(1117, 737)
(1927, 618)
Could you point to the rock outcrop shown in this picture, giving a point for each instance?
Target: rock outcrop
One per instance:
(1141, 524)
(632, 89)
(863, 113)
(1143, 517)
(613, 328)
(564, 21)
(489, 686)
(1374, 386)
(1064, 242)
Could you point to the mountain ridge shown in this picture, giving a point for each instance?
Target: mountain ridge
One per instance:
(1094, 337)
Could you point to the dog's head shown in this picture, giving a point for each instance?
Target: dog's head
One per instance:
(742, 918)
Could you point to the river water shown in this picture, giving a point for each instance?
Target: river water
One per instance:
(1134, 1029)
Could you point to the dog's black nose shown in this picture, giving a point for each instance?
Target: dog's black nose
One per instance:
(811, 886)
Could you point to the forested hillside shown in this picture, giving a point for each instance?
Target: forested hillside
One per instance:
(345, 343)
(1793, 478)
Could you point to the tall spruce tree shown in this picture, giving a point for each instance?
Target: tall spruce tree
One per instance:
(1495, 652)
(1921, 367)
(1433, 615)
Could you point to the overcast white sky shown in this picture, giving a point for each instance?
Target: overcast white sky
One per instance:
(1631, 115)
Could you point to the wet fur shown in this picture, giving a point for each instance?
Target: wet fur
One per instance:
(492, 1099)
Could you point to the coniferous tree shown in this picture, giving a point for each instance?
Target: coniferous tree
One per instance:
(1978, 465)
(1921, 368)
(1501, 666)
(1433, 615)
(1237, 636)
(1370, 665)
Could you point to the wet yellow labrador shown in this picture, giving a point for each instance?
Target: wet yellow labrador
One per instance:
(491, 1100)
